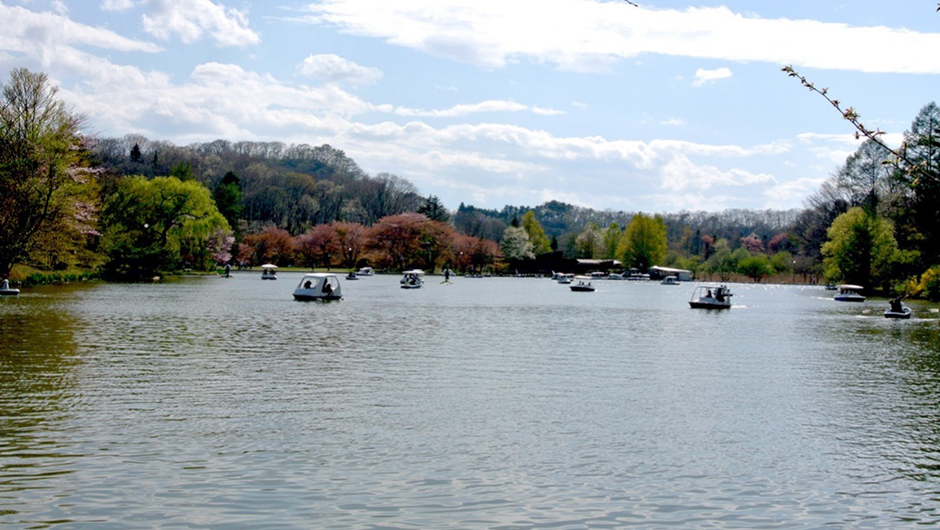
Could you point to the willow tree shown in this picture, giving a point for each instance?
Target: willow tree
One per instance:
(154, 225)
(39, 143)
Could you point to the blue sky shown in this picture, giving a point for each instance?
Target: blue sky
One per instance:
(657, 108)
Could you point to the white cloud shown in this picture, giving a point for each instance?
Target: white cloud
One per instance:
(673, 122)
(791, 193)
(333, 69)
(681, 174)
(116, 5)
(59, 7)
(467, 109)
(710, 76)
(589, 34)
(191, 19)
(45, 36)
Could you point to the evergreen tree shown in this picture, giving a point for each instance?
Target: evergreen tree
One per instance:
(434, 209)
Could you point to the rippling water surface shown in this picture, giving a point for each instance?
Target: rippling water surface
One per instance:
(486, 404)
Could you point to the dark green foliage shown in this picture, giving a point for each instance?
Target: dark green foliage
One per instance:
(228, 199)
(434, 209)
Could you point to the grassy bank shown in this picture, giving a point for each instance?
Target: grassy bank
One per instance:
(25, 276)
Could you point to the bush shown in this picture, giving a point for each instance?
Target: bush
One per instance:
(929, 285)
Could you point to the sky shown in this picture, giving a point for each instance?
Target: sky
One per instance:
(660, 107)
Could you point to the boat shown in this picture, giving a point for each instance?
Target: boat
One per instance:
(711, 297)
(850, 293)
(268, 272)
(670, 280)
(6, 290)
(898, 310)
(412, 279)
(366, 271)
(318, 286)
(583, 285)
(352, 276)
(565, 279)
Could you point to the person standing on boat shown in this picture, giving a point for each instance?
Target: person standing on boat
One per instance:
(896, 306)
(446, 275)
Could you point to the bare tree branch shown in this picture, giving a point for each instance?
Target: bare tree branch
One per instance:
(850, 115)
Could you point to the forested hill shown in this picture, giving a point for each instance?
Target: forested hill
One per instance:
(559, 219)
(293, 187)
(299, 186)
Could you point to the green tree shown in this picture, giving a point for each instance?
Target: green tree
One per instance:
(921, 173)
(434, 209)
(228, 199)
(756, 267)
(861, 249)
(610, 239)
(154, 225)
(39, 144)
(643, 244)
(136, 155)
(722, 260)
(540, 242)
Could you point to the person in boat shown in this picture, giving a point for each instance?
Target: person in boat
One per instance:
(6, 285)
(897, 306)
(327, 288)
(307, 284)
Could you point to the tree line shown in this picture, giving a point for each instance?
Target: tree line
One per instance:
(133, 207)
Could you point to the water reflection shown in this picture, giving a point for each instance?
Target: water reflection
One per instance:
(38, 368)
(496, 403)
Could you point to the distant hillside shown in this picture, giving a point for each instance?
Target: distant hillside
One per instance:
(299, 186)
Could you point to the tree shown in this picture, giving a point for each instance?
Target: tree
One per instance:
(516, 244)
(385, 195)
(228, 199)
(318, 246)
(473, 253)
(536, 234)
(643, 243)
(434, 209)
(437, 243)
(756, 267)
(865, 175)
(921, 148)
(352, 239)
(610, 239)
(39, 145)
(153, 225)
(273, 245)
(395, 240)
(589, 244)
(722, 261)
(136, 156)
(861, 249)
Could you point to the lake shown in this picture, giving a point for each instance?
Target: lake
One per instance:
(493, 403)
